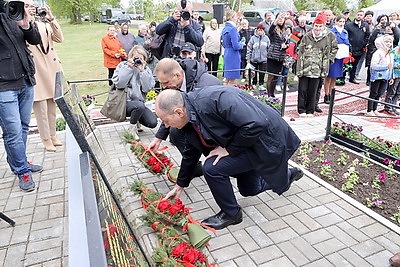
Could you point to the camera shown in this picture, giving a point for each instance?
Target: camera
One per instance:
(15, 10)
(185, 14)
(136, 61)
(41, 12)
(385, 24)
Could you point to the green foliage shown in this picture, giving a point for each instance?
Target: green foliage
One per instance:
(365, 3)
(396, 216)
(60, 124)
(308, 4)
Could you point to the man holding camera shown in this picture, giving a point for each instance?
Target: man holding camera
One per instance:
(16, 87)
(180, 28)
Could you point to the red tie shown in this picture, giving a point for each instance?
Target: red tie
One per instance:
(196, 128)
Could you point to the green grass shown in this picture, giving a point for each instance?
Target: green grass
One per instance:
(82, 57)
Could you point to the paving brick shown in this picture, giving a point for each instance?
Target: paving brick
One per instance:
(342, 236)
(380, 258)
(307, 220)
(14, 203)
(41, 213)
(374, 230)
(319, 263)
(309, 199)
(53, 263)
(43, 256)
(348, 207)
(6, 234)
(319, 191)
(43, 245)
(329, 246)
(302, 245)
(268, 213)
(20, 234)
(276, 203)
(15, 256)
(288, 209)
(293, 253)
(230, 263)
(45, 186)
(337, 260)
(255, 215)
(344, 214)
(318, 211)
(367, 248)
(317, 236)
(266, 254)
(298, 202)
(283, 261)
(42, 234)
(245, 240)
(282, 235)
(328, 219)
(221, 241)
(352, 231)
(295, 224)
(388, 244)
(259, 236)
(272, 226)
(327, 198)
(2, 256)
(245, 261)
(228, 253)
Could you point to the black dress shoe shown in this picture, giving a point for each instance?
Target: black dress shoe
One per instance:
(354, 81)
(222, 220)
(296, 174)
(317, 109)
(327, 99)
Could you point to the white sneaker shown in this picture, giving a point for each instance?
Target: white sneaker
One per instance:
(303, 115)
(243, 80)
(133, 130)
(295, 79)
(278, 88)
(139, 127)
(261, 88)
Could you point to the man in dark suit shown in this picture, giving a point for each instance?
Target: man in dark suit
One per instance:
(240, 136)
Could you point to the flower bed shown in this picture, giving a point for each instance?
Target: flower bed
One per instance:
(371, 184)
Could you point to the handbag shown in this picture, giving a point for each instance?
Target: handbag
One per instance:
(157, 45)
(288, 61)
(115, 105)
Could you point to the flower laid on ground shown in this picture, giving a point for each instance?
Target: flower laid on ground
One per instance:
(151, 95)
(88, 99)
(175, 249)
(154, 160)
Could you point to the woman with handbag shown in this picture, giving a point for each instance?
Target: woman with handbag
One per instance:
(137, 78)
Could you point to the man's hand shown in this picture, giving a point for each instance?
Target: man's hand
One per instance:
(24, 23)
(391, 81)
(220, 152)
(176, 15)
(155, 143)
(184, 23)
(174, 193)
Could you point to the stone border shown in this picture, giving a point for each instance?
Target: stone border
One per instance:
(349, 199)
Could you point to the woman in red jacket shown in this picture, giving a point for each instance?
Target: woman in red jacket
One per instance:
(112, 52)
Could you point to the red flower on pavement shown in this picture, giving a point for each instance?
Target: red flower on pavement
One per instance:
(157, 167)
(151, 160)
(175, 208)
(163, 205)
(179, 249)
(191, 255)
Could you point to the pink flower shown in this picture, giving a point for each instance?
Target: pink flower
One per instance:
(326, 162)
(386, 161)
(328, 142)
(377, 202)
(396, 162)
(382, 176)
(318, 150)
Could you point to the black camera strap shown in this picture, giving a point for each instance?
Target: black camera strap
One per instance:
(45, 51)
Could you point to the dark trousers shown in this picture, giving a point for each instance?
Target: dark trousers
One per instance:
(393, 94)
(318, 93)
(110, 74)
(376, 90)
(212, 63)
(139, 113)
(217, 176)
(353, 70)
(307, 94)
(259, 66)
(177, 137)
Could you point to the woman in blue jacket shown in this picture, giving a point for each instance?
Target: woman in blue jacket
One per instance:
(232, 46)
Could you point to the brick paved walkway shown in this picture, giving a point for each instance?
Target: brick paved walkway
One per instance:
(308, 226)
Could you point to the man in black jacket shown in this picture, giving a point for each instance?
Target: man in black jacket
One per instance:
(240, 136)
(184, 76)
(358, 36)
(16, 93)
(178, 31)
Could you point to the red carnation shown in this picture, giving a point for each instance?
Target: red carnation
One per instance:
(157, 167)
(151, 160)
(191, 255)
(175, 208)
(165, 160)
(179, 249)
(163, 205)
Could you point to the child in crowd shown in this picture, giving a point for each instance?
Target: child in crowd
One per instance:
(393, 92)
(381, 71)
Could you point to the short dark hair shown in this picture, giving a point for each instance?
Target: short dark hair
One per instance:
(369, 12)
(261, 26)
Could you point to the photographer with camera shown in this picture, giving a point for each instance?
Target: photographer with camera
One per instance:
(137, 76)
(16, 87)
(47, 65)
(180, 28)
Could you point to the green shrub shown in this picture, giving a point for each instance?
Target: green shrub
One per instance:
(60, 124)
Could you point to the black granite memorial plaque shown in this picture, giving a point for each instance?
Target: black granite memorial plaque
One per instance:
(120, 243)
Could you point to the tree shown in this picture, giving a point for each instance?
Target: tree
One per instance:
(365, 3)
(308, 4)
(74, 9)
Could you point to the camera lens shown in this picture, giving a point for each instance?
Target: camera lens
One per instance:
(185, 14)
(137, 61)
(15, 10)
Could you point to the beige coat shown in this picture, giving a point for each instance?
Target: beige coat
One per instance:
(46, 64)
